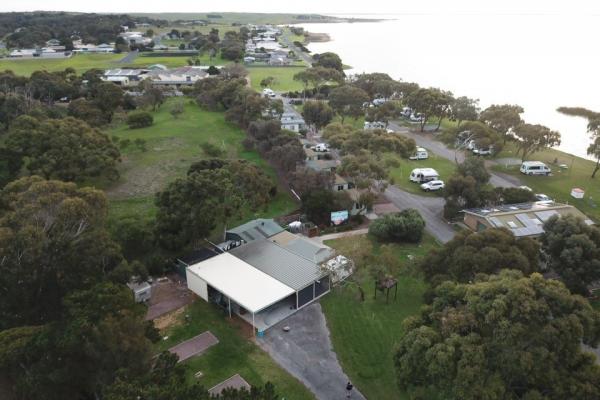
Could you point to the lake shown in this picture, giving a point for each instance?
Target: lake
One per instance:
(540, 62)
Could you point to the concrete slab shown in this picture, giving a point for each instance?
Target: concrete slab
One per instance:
(235, 382)
(306, 352)
(194, 346)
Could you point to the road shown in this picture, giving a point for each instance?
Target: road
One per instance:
(129, 57)
(430, 208)
(427, 140)
(285, 40)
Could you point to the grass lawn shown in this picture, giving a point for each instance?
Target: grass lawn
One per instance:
(365, 334)
(284, 77)
(401, 174)
(80, 62)
(559, 185)
(148, 59)
(172, 146)
(235, 353)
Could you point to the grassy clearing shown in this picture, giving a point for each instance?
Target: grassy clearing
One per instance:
(80, 62)
(227, 18)
(401, 174)
(172, 146)
(559, 185)
(365, 334)
(284, 77)
(234, 353)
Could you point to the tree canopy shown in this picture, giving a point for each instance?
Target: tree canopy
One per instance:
(347, 101)
(471, 253)
(431, 102)
(404, 226)
(503, 337)
(67, 149)
(502, 118)
(573, 251)
(533, 138)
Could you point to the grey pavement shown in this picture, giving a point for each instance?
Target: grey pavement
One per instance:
(306, 353)
(332, 236)
(129, 57)
(427, 140)
(194, 346)
(430, 208)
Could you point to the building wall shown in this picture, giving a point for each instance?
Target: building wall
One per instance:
(475, 223)
(197, 285)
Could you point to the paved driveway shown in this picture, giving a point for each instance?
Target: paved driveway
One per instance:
(129, 57)
(306, 353)
(430, 208)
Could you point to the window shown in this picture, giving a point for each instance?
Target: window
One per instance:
(340, 187)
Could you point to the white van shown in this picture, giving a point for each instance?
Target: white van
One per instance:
(268, 93)
(534, 168)
(321, 147)
(422, 175)
(420, 154)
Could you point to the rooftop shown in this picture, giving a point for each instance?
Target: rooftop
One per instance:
(321, 165)
(525, 219)
(282, 264)
(304, 247)
(257, 229)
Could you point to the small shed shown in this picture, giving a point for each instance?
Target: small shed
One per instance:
(142, 291)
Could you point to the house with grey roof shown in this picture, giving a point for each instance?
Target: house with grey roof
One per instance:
(292, 122)
(267, 275)
(523, 219)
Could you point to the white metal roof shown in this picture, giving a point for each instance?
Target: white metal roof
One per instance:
(249, 287)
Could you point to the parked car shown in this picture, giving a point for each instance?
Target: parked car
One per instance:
(379, 102)
(542, 197)
(406, 112)
(420, 154)
(526, 188)
(534, 168)
(482, 152)
(416, 117)
(422, 175)
(432, 185)
(321, 147)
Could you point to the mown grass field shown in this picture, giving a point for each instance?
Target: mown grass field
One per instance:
(172, 145)
(401, 174)
(79, 62)
(147, 59)
(365, 334)
(284, 78)
(559, 185)
(234, 354)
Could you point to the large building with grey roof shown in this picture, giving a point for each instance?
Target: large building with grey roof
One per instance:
(523, 220)
(264, 273)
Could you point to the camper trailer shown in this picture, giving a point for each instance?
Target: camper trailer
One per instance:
(422, 175)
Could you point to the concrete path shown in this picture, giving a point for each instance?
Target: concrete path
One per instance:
(428, 141)
(235, 382)
(306, 353)
(194, 346)
(129, 57)
(430, 208)
(332, 236)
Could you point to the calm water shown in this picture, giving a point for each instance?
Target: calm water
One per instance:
(538, 61)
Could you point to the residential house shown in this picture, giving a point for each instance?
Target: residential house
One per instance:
(134, 76)
(267, 276)
(135, 38)
(92, 48)
(340, 184)
(523, 220)
(183, 76)
(292, 122)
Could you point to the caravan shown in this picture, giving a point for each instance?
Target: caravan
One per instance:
(420, 154)
(422, 175)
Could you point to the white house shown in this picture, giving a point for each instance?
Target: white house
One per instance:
(292, 122)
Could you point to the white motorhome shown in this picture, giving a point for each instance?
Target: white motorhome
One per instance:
(268, 93)
(422, 175)
(534, 168)
(420, 154)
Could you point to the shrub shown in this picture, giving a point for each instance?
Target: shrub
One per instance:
(211, 149)
(405, 226)
(139, 119)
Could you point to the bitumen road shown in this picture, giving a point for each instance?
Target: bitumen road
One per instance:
(306, 352)
(430, 208)
(129, 57)
(285, 39)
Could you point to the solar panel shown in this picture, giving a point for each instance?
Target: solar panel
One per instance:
(545, 215)
(512, 224)
(496, 222)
